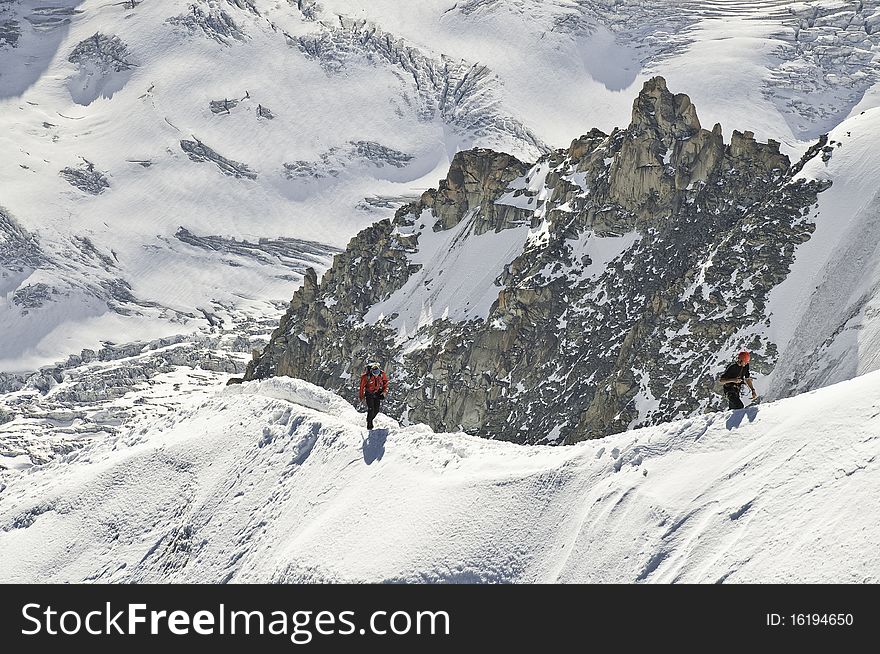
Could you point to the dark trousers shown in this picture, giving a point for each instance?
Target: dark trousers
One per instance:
(733, 399)
(372, 400)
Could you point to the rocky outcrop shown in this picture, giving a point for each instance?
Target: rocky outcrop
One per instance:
(375, 262)
(105, 52)
(10, 33)
(354, 153)
(223, 106)
(19, 249)
(86, 178)
(310, 9)
(212, 21)
(621, 272)
(475, 179)
(32, 296)
(293, 253)
(199, 152)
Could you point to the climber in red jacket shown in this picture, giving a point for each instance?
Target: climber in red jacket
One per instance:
(374, 387)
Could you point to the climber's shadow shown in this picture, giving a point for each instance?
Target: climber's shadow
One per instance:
(374, 445)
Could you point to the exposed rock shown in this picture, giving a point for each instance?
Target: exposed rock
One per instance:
(107, 53)
(293, 253)
(10, 32)
(210, 20)
(308, 170)
(49, 18)
(376, 202)
(104, 67)
(19, 249)
(199, 152)
(651, 241)
(379, 154)
(310, 9)
(475, 179)
(33, 296)
(335, 160)
(88, 251)
(9, 383)
(222, 106)
(86, 178)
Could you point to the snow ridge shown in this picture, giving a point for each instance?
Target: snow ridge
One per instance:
(277, 481)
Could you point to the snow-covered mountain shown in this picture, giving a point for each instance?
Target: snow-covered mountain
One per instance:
(607, 285)
(278, 481)
(171, 168)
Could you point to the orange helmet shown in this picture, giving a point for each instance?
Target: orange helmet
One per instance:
(744, 356)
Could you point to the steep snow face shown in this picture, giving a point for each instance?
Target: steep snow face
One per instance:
(278, 481)
(457, 276)
(825, 315)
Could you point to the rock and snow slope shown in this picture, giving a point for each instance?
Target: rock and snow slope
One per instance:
(597, 290)
(605, 286)
(278, 481)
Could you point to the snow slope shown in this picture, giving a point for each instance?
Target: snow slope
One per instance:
(277, 481)
(824, 317)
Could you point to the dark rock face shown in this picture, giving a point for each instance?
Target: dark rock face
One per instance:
(10, 32)
(86, 178)
(212, 21)
(222, 106)
(33, 296)
(644, 258)
(19, 249)
(355, 153)
(106, 52)
(199, 152)
(293, 253)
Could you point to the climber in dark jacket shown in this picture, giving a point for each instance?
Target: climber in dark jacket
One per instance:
(733, 378)
(374, 387)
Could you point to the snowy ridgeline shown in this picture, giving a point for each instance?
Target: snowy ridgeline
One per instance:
(277, 481)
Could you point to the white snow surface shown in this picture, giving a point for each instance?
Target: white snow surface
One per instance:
(457, 276)
(278, 481)
(601, 250)
(824, 316)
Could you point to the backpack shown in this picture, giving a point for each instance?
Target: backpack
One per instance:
(715, 386)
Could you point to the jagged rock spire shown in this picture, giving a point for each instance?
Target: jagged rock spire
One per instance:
(670, 117)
